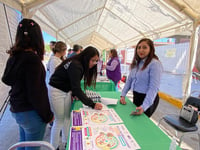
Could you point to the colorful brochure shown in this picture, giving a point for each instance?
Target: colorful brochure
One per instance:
(104, 137)
(86, 117)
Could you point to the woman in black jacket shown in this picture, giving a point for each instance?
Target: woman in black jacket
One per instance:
(66, 80)
(25, 74)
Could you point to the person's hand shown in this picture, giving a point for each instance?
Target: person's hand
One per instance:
(122, 100)
(98, 106)
(139, 110)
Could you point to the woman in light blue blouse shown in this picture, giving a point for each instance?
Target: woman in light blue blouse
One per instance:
(144, 78)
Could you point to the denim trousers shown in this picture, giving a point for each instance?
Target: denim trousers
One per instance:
(31, 127)
(61, 106)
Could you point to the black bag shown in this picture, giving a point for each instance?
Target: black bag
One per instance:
(189, 114)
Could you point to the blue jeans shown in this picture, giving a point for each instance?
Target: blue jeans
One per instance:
(31, 127)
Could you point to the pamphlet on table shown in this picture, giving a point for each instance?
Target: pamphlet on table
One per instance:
(104, 137)
(84, 117)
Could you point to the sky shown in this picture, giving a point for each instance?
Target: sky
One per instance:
(47, 37)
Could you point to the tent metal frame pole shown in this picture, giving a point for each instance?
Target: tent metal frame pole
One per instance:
(4, 6)
(96, 40)
(164, 4)
(112, 34)
(12, 4)
(80, 39)
(80, 19)
(183, 7)
(100, 36)
(125, 22)
(96, 44)
(160, 30)
(39, 3)
(82, 31)
(191, 61)
(104, 6)
(57, 32)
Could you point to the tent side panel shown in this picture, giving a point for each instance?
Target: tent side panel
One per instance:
(5, 42)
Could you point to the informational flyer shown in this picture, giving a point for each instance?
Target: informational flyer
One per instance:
(104, 137)
(86, 117)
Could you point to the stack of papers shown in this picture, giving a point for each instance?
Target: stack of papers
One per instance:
(109, 101)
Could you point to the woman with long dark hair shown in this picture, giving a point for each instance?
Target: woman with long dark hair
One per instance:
(144, 78)
(25, 74)
(66, 80)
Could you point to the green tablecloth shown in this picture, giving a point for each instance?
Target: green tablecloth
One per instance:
(145, 132)
(101, 86)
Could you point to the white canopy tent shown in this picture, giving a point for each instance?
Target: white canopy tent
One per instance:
(110, 23)
(115, 23)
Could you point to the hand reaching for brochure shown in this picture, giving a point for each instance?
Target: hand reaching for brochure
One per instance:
(98, 106)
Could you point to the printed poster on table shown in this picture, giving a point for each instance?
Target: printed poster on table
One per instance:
(94, 117)
(104, 137)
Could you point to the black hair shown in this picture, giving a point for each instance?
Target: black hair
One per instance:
(28, 36)
(77, 47)
(53, 42)
(90, 74)
(114, 53)
(151, 55)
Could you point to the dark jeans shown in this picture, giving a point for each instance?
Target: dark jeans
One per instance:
(138, 99)
(31, 127)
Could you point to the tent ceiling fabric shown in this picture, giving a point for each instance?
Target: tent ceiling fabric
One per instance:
(110, 23)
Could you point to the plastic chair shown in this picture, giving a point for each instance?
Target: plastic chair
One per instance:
(180, 124)
(32, 144)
